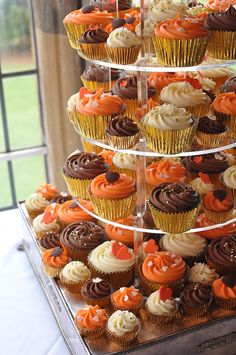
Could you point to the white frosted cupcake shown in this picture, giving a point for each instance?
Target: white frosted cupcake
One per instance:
(44, 223)
(202, 273)
(202, 184)
(207, 83)
(166, 10)
(229, 180)
(125, 163)
(35, 204)
(74, 275)
(123, 327)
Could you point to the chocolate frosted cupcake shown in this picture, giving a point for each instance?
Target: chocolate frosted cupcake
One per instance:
(49, 240)
(79, 170)
(79, 238)
(96, 77)
(196, 299)
(211, 132)
(229, 85)
(92, 43)
(97, 292)
(61, 198)
(174, 207)
(122, 132)
(221, 255)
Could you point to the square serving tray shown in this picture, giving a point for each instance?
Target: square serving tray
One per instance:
(211, 334)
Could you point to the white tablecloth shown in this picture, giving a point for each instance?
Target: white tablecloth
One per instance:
(27, 325)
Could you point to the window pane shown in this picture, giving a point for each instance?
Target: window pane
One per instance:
(22, 111)
(2, 142)
(29, 173)
(16, 45)
(5, 189)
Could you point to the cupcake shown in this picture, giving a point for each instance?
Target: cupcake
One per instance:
(203, 222)
(35, 204)
(61, 198)
(114, 262)
(202, 184)
(229, 85)
(127, 299)
(150, 247)
(78, 239)
(125, 236)
(196, 299)
(122, 46)
(161, 307)
(113, 195)
(221, 255)
(225, 108)
(189, 246)
(91, 321)
(208, 85)
(211, 132)
(129, 22)
(174, 207)
(180, 42)
(54, 260)
(92, 43)
(162, 269)
(222, 29)
(122, 132)
(219, 75)
(123, 327)
(166, 10)
(218, 206)
(73, 276)
(111, 7)
(79, 21)
(96, 291)
(229, 180)
(49, 240)
(96, 77)
(224, 290)
(70, 212)
(79, 170)
(108, 156)
(160, 80)
(218, 5)
(202, 273)
(48, 191)
(140, 112)
(45, 222)
(125, 163)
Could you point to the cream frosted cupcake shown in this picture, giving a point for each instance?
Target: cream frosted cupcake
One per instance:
(166, 10)
(202, 184)
(123, 46)
(74, 275)
(219, 75)
(206, 83)
(35, 204)
(202, 273)
(114, 262)
(123, 327)
(125, 163)
(229, 180)
(168, 128)
(44, 223)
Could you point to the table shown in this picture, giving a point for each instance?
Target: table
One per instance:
(27, 325)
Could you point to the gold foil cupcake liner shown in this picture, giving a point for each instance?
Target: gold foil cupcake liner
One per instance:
(129, 172)
(165, 320)
(101, 302)
(74, 31)
(218, 217)
(123, 55)
(126, 142)
(113, 209)
(131, 107)
(96, 85)
(210, 140)
(77, 187)
(90, 148)
(197, 311)
(74, 287)
(227, 304)
(127, 339)
(94, 51)
(135, 310)
(169, 142)
(180, 52)
(175, 223)
(91, 334)
(147, 45)
(222, 45)
(51, 271)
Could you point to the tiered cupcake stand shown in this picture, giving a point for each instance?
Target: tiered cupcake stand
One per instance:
(214, 332)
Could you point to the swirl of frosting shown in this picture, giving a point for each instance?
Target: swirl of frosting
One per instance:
(201, 273)
(174, 198)
(110, 6)
(229, 85)
(36, 202)
(156, 306)
(201, 186)
(130, 20)
(96, 288)
(222, 21)
(203, 222)
(206, 83)
(104, 260)
(216, 73)
(107, 156)
(91, 17)
(75, 271)
(50, 240)
(122, 126)
(125, 161)
(223, 291)
(94, 35)
(184, 244)
(70, 212)
(183, 94)
(165, 170)
(166, 10)
(55, 257)
(225, 103)
(81, 165)
(119, 234)
(160, 80)
(122, 38)
(163, 267)
(122, 322)
(61, 198)
(127, 88)
(229, 177)
(91, 317)
(223, 251)
(219, 5)
(48, 191)
(100, 103)
(218, 201)
(40, 226)
(211, 126)
(121, 188)
(101, 74)
(82, 234)
(208, 163)
(168, 117)
(196, 295)
(127, 297)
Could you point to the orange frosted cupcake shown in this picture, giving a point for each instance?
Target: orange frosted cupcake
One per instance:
(125, 236)
(70, 212)
(129, 21)
(127, 298)
(219, 5)
(113, 195)
(162, 268)
(54, 260)
(203, 222)
(91, 321)
(225, 108)
(48, 191)
(78, 21)
(108, 156)
(224, 290)
(180, 42)
(160, 80)
(218, 206)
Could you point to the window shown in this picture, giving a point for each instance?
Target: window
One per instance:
(23, 163)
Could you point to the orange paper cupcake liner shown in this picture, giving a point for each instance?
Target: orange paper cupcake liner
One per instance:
(222, 45)
(51, 271)
(95, 51)
(125, 340)
(74, 287)
(135, 310)
(218, 217)
(123, 142)
(96, 85)
(166, 320)
(91, 334)
(77, 187)
(123, 55)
